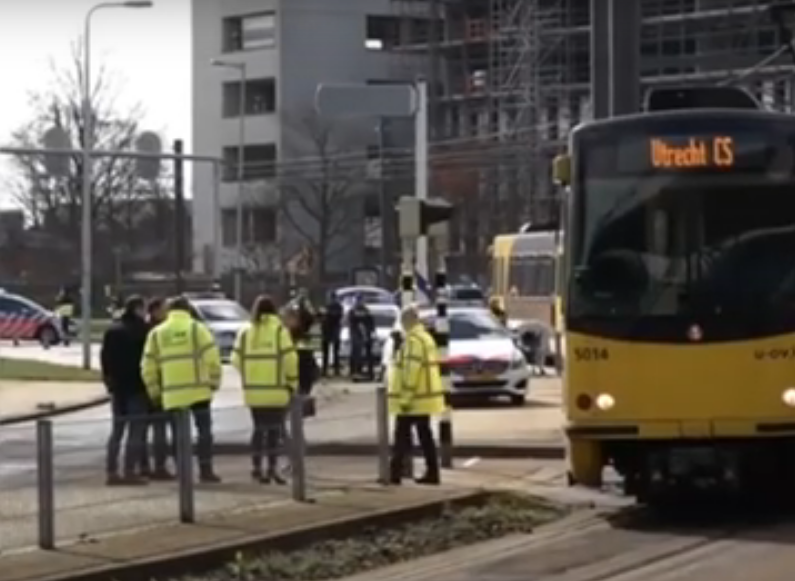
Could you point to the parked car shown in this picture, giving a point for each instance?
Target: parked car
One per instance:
(467, 294)
(384, 317)
(483, 356)
(372, 295)
(22, 319)
(224, 317)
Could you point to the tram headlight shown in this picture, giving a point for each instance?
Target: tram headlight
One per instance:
(606, 402)
(788, 397)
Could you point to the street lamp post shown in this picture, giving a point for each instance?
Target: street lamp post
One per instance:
(88, 146)
(241, 69)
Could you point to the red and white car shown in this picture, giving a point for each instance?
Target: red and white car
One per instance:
(24, 320)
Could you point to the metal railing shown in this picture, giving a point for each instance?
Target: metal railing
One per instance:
(67, 478)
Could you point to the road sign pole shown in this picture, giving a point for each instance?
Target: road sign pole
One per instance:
(421, 168)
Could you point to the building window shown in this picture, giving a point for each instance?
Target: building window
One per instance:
(260, 97)
(382, 32)
(259, 162)
(259, 226)
(249, 32)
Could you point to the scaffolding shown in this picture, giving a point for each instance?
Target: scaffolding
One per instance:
(510, 78)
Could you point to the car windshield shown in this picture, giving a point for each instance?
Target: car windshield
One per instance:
(222, 311)
(664, 244)
(471, 325)
(384, 319)
(468, 294)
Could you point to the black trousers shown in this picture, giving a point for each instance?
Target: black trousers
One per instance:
(129, 411)
(330, 345)
(361, 356)
(203, 424)
(267, 437)
(159, 425)
(307, 371)
(402, 444)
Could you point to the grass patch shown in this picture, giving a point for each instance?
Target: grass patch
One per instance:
(504, 514)
(32, 370)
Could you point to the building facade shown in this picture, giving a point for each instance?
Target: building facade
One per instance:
(513, 79)
(305, 184)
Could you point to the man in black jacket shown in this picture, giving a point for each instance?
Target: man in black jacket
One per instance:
(158, 423)
(122, 348)
(361, 327)
(331, 326)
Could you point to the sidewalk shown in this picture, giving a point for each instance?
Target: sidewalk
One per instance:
(87, 509)
(30, 399)
(219, 538)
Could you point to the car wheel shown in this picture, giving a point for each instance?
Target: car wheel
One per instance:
(47, 335)
(517, 400)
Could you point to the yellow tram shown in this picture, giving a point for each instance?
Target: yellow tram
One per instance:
(679, 300)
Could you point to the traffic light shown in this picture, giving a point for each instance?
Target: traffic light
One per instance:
(416, 216)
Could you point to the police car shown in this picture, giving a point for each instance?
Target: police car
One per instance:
(224, 318)
(22, 319)
(484, 359)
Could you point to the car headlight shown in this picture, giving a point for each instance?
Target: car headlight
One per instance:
(788, 397)
(518, 361)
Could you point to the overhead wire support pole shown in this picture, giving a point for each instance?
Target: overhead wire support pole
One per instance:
(421, 167)
(86, 155)
(442, 329)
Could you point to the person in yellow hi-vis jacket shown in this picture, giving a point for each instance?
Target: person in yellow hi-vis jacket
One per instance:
(181, 367)
(266, 358)
(416, 393)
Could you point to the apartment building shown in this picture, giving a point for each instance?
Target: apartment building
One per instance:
(287, 48)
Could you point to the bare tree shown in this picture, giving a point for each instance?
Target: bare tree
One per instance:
(55, 204)
(260, 251)
(320, 182)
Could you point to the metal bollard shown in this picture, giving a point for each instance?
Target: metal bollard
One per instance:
(446, 438)
(45, 485)
(382, 429)
(184, 462)
(298, 449)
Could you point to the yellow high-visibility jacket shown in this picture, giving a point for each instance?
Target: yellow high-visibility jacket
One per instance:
(181, 364)
(265, 356)
(415, 381)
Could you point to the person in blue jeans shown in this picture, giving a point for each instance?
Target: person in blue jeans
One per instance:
(122, 348)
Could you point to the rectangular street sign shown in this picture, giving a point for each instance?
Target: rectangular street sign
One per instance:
(360, 100)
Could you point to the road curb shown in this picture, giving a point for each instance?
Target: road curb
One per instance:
(197, 560)
(51, 413)
(541, 451)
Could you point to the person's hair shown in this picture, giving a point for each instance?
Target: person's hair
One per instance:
(263, 305)
(179, 303)
(155, 304)
(133, 303)
(409, 314)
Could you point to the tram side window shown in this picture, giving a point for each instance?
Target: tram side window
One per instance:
(533, 276)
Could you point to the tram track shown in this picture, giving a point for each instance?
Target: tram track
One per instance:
(626, 545)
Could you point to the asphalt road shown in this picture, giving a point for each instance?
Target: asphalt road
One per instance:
(347, 413)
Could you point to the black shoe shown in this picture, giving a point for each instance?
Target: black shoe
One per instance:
(429, 479)
(276, 478)
(210, 478)
(131, 480)
(258, 476)
(162, 475)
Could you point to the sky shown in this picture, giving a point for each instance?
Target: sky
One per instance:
(147, 53)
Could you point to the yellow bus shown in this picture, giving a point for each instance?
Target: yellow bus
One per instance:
(680, 305)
